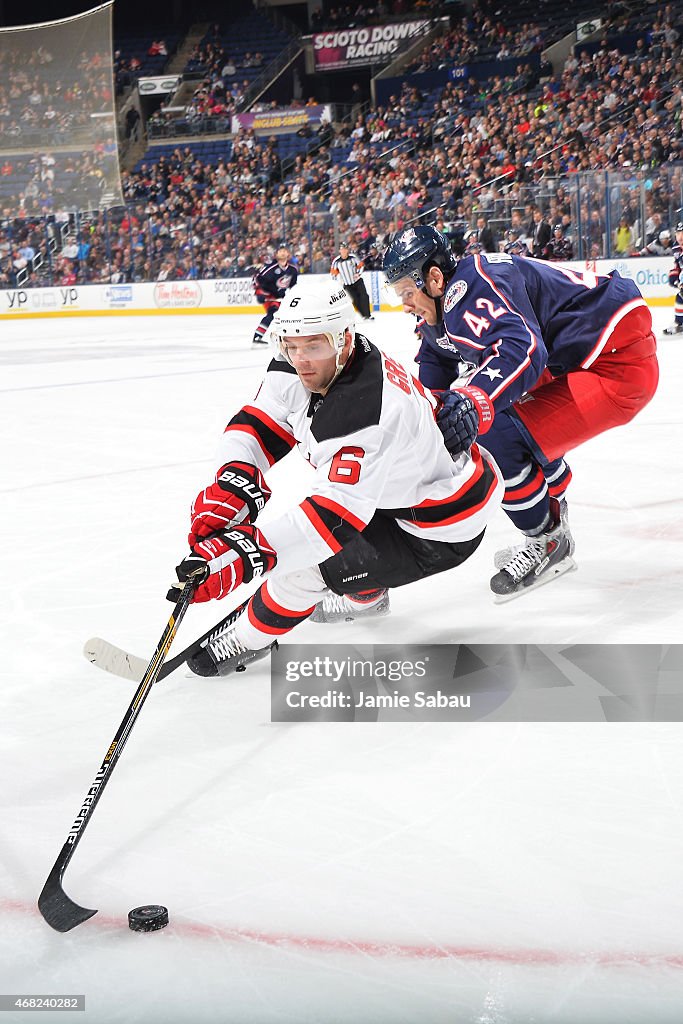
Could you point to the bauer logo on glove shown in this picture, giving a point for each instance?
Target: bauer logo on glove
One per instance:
(237, 480)
(238, 494)
(232, 557)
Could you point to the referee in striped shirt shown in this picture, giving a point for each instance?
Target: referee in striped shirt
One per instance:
(348, 267)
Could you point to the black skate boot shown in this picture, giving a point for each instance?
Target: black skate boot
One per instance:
(502, 557)
(539, 560)
(224, 654)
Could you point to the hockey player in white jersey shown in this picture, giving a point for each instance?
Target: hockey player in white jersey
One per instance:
(388, 505)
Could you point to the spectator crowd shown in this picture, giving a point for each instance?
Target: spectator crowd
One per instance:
(39, 105)
(494, 155)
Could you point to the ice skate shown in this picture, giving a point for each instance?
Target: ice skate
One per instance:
(259, 339)
(674, 329)
(538, 561)
(224, 654)
(346, 607)
(502, 557)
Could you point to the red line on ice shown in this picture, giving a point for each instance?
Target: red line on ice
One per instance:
(284, 940)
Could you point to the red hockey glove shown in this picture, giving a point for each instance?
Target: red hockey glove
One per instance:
(232, 557)
(237, 496)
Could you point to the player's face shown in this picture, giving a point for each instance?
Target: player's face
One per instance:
(414, 300)
(314, 360)
(282, 256)
(679, 238)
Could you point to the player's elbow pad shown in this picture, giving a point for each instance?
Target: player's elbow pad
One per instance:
(482, 403)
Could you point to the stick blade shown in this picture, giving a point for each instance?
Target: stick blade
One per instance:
(113, 659)
(60, 912)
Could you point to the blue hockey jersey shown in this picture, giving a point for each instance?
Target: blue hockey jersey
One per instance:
(512, 317)
(677, 269)
(439, 364)
(272, 280)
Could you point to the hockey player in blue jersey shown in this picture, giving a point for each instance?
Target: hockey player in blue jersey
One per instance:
(515, 243)
(559, 356)
(560, 246)
(271, 285)
(676, 281)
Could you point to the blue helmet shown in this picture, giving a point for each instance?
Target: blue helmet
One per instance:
(412, 251)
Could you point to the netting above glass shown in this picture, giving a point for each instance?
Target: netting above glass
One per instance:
(58, 147)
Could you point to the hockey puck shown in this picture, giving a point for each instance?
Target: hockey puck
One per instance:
(148, 919)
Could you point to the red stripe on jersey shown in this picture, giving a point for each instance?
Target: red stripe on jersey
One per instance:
(342, 512)
(245, 429)
(269, 617)
(258, 624)
(517, 493)
(318, 525)
(429, 396)
(259, 414)
(481, 468)
(270, 602)
(561, 487)
(460, 516)
(478, 470)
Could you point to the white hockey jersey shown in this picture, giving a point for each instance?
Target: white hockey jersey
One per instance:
(375, 447)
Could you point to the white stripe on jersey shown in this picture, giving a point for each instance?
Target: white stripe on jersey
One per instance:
(609, 330)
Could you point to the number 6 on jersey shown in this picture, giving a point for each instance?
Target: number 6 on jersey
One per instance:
(345, 469)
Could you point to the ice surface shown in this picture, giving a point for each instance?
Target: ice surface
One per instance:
(487, 872)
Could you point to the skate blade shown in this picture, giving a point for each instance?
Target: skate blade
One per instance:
(566, 565)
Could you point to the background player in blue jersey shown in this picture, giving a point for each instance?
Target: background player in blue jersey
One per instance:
(515, 243)
(559, 356)
(271, 285)
(676, 281)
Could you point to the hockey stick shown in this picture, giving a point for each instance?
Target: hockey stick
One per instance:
(60, 912)
(111, 658)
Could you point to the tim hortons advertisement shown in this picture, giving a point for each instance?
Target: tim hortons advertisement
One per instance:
(177, 294)
(354, 47)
